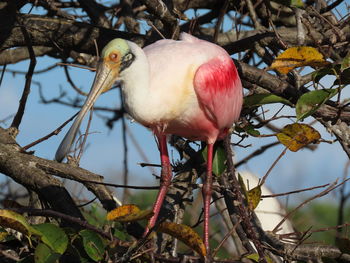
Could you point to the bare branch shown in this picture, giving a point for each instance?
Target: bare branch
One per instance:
(22, 103)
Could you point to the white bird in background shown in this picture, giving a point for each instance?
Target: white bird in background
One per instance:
(269, 210)
(189, 88)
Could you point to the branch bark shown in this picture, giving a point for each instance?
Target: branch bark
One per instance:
(35, 173)
(62, 34)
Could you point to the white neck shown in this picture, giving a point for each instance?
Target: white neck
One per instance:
(135, 83)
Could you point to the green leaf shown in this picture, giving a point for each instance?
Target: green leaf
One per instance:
(77, 255)
(251, 131)
(93, 244)
(53, 236)
(333, 69)
(309, 102)
(262, 99)
(120, 233)
(345, 63)
(95, 215)
(219, 158)
(219, 161)
(44, 254)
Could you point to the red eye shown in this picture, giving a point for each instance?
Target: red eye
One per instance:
(114, 57)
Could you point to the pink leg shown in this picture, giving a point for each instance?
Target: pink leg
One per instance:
(165, 180)
(207, 195)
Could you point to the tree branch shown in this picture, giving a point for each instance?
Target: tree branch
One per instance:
(22, 167)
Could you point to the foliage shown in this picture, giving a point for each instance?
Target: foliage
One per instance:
(296, 57)
(51, 242)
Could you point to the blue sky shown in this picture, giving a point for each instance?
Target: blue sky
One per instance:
(104, 154)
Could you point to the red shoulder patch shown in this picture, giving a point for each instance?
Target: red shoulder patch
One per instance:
(219, 91)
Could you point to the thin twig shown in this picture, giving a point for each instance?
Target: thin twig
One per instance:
(76, 66)
(96, 48)
(23, 101)
(220, 20)
(8, 254)
(3, 73)
(70, 81)
(331, 6)
(256, 153)
(119, 185)
(324, 192)
(233, 229)
(40, 71)
(272, 166)
(55, 132)
(295, 191)
(87, 203)
(155, 29)
(252, 14)
(141, 152)
(149, 165)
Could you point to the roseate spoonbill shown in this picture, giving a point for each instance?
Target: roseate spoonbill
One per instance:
(189, 87)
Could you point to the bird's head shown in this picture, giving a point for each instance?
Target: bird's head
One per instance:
(116, 56)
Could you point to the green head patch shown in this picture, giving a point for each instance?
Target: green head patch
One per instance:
(120, 45)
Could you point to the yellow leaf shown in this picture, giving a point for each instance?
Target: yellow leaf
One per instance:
(254, 197)
(128, 213)
(295, 57)
(185, 234)
(15, 221)
(255, 257)
(296, 136)
(3, 235)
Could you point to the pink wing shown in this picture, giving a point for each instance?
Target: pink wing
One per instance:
(219, 91)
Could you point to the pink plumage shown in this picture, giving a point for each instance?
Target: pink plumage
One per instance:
(197, 94)
(188, 87)
(197, 86)
(219, 93)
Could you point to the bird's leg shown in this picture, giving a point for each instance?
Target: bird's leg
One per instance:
(165, 180)
(207, 189)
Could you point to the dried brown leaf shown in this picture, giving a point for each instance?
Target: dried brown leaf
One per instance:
(185, 234)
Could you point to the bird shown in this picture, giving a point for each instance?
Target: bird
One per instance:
(187, 87)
